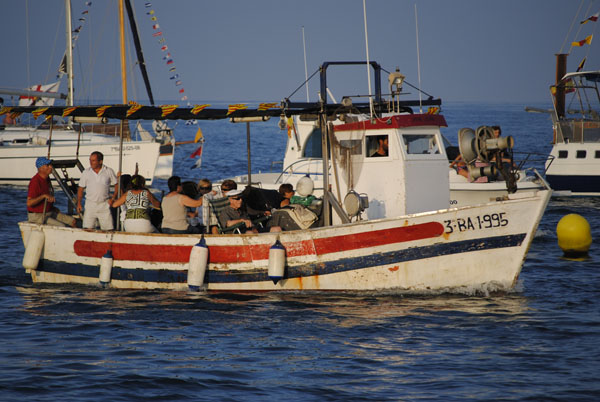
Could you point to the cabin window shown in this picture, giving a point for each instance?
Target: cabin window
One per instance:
(581, 154)
(312, 146)
(597, 155)
(377, 145)
(563, 154)
(421, 144)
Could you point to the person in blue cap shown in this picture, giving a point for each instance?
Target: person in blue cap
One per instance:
(40, 198)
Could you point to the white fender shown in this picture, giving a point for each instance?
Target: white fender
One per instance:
(33, 250)
(197, 265)
(106, 265)
(276, 261)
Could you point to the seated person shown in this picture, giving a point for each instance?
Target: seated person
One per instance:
(202, 217)
(40, 198)
(294, 214)
(235, 213)
(138, 201)
(174, 209)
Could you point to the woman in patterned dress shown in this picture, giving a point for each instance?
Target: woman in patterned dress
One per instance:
(138, 201)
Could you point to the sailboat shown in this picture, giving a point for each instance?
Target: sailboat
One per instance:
(150, 155)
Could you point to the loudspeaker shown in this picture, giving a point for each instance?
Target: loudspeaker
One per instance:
(467, 145)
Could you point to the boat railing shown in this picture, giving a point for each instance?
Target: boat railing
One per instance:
(290, 168)
(579, 130)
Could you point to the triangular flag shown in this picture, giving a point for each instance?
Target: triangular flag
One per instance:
(266, 106)
(199, 135)
(587, 40)
(198, 108)
(235, 107)
(100, 111)
(37, 112)
(580, 66)
(593, 18)
(68, 110)
(133, 108)
(168, 109)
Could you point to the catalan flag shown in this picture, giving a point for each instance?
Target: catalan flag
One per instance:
(68, 110)
(168, 109)
(593, 18)
(100, 111)
(4, 110)
(235, 107)
(133, 108)
(37, 112)
(587, 40)
(267, 106)
(198, 108)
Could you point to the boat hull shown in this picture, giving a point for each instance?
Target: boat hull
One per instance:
(466, 247)
(573, 169)
(17, 162)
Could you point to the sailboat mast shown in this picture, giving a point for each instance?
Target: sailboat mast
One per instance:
(138, 49)
(69, 53)
(123, 63)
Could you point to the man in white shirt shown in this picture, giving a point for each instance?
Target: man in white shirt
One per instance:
(97, 181)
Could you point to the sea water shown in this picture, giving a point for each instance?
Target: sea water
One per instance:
(539, 341)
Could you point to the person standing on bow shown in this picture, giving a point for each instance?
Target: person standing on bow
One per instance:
(97, 181)
(40, 198)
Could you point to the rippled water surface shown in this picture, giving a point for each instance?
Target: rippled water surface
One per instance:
(537, 342)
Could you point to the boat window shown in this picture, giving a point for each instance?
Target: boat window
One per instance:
(597, 156)
(581, 154)
(420, 144)
(312, 146)
(376, 145)
(563, 154)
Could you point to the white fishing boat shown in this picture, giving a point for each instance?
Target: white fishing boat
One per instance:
(404, 238)
(149, 155)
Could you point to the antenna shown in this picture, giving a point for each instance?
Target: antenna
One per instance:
(305, 69)
(368, 61)
(418, 60)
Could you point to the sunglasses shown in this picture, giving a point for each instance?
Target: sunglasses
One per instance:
(205, 188)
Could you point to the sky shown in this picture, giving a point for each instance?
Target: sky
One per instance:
(252, 50)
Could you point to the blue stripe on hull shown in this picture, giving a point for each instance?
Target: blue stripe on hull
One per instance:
(576, 184)
(260, 275)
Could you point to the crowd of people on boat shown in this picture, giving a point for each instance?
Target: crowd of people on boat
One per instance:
(122, 201)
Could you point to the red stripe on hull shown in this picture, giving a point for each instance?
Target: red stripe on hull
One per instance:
(247, 253)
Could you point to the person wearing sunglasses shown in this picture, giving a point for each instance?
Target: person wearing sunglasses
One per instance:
(235, 212)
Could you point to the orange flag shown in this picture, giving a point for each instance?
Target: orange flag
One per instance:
(266, 106)
(587, 40)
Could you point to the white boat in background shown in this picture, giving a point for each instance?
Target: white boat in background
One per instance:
(573, 166)
(151, 155)
(404, 239)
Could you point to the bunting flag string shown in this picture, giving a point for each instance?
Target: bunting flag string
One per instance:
(158, 33)
(62, 68)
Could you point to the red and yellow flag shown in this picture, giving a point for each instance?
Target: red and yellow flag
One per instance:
(37, 112)
(593, 18)
(235, 107)
(100, 111)
(133, 108)
(4, 110)
(68, 110)
(198, 108)
(580, 66)
(586, 41)
(168, 109)
(267, 106)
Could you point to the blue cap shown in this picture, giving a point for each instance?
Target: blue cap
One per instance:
(41, 161)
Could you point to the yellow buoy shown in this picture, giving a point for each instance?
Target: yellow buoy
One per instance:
(574, 235)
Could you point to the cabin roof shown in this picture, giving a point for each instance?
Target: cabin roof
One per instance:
(398, 121)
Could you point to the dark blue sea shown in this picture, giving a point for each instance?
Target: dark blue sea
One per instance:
(538, 342)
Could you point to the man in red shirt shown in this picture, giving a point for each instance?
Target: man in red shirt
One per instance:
(40, 198)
